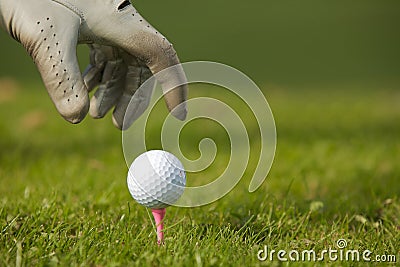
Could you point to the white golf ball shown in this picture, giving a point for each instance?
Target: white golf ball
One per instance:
(156, 179)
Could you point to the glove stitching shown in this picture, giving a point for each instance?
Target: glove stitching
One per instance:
(71, 7)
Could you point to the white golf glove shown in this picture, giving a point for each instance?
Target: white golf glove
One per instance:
(125, 51)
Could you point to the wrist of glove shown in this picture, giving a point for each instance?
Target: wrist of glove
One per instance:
(125, 51)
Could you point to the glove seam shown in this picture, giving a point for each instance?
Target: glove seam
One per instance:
(89, 36)
(72, 7)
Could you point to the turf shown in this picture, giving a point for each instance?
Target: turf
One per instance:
(64, 199)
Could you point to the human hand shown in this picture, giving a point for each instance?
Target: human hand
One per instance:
(125, 51)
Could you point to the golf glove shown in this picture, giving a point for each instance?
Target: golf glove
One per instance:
(125, 51)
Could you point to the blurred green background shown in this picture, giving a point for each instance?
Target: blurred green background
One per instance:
(284, 43)
(331, 74)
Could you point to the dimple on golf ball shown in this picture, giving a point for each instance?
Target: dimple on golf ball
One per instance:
(156, 179)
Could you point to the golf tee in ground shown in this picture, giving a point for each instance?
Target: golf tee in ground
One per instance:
(158, 215)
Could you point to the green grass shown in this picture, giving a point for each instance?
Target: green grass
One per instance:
(64, 199)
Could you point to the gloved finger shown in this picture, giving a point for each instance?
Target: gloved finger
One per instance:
(52, 46)
(138, 97)
(111, 86)
(94, 71)
(122, 26)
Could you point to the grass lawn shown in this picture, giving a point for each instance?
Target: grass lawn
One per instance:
(64, 199)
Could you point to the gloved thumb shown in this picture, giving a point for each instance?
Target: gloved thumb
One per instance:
(51, 41)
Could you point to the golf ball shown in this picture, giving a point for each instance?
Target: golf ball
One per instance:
(156, 179)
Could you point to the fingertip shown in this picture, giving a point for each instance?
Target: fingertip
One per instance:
(119, 124)
(74, 111)
(180, 112)
(94, 111)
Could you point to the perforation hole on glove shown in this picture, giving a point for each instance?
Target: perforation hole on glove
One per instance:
(51, 45)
